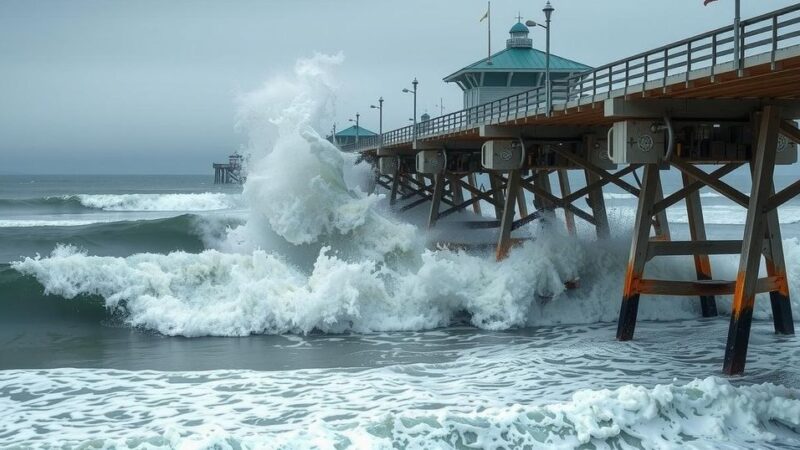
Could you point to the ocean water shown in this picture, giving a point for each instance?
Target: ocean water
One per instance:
(298, 311)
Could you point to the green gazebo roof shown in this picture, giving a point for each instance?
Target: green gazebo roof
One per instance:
(351, 132)
(521, 60)
(519, 27)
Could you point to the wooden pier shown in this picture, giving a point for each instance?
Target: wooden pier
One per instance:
(230, 172)
(697, 103)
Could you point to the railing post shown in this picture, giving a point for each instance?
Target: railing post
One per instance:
(627, 75)
(713, 56)
(644, 80)
(688, 61)
(774, 42)
(610, 81)
(527, 101)
(741, 50)
(666, 69)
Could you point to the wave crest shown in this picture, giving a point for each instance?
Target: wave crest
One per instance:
(206, 201)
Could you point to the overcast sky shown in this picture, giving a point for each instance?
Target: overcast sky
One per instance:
(122, 86)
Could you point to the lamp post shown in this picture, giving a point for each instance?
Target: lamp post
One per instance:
(414, 129)
(737, 63)
(380, 120)
(548, 11)
(356, 122)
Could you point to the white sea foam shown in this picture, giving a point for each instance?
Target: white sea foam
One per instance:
(238, 409)
(215, 293)
(730, 214)
(627, 196)
(207, 201)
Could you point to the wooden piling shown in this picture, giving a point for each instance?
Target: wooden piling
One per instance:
(754, 232)
(629, 308)
(697, 233)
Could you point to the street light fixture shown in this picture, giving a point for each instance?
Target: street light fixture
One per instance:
(357, 127)
(380, 120)
(414, 91)
(548, 11)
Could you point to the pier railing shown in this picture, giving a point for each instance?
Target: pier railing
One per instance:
(765, 34)
(762, 35)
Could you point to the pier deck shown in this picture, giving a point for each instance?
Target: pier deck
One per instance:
(686, 105)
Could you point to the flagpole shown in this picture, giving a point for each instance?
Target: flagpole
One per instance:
(489, 35)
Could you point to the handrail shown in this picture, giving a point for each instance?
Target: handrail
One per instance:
(702, 51)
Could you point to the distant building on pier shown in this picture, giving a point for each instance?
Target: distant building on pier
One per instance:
(347, 138)
(517, 68)
(230, 173)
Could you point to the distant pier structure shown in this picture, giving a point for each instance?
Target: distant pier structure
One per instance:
(701, 107)
(230, 172)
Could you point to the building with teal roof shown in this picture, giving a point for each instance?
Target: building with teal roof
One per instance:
(517, 68)
(348, 136)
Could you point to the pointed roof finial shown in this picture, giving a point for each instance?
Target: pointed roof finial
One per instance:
(519, 16)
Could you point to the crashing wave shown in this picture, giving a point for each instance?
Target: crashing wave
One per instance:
(207, 201)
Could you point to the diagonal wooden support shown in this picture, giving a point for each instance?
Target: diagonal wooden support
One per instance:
(456, 192)
(598, 205)
(569, 216)
(554, 201)
(776, 267)
(542, 198)
(488, 196)
(507, 216)
(522, 205)
(718, 185)
(585, 164)
(697, 232)
(783, 196)
(472, 182)
(754, 232)
(790, 130)
(680, 194)
(395, 187)
(438, 191)
(660, 222)
(597, 182)
(496, 183)
(629, 308)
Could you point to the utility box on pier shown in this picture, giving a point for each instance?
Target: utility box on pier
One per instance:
(634, 142)
(597, 151)
(387, 165)
(786, 151)
(431, 161)
(502, 155)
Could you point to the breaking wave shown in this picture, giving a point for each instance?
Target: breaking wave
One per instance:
(206, 201)
(227, 294)
(317, 252)
(187, 232)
